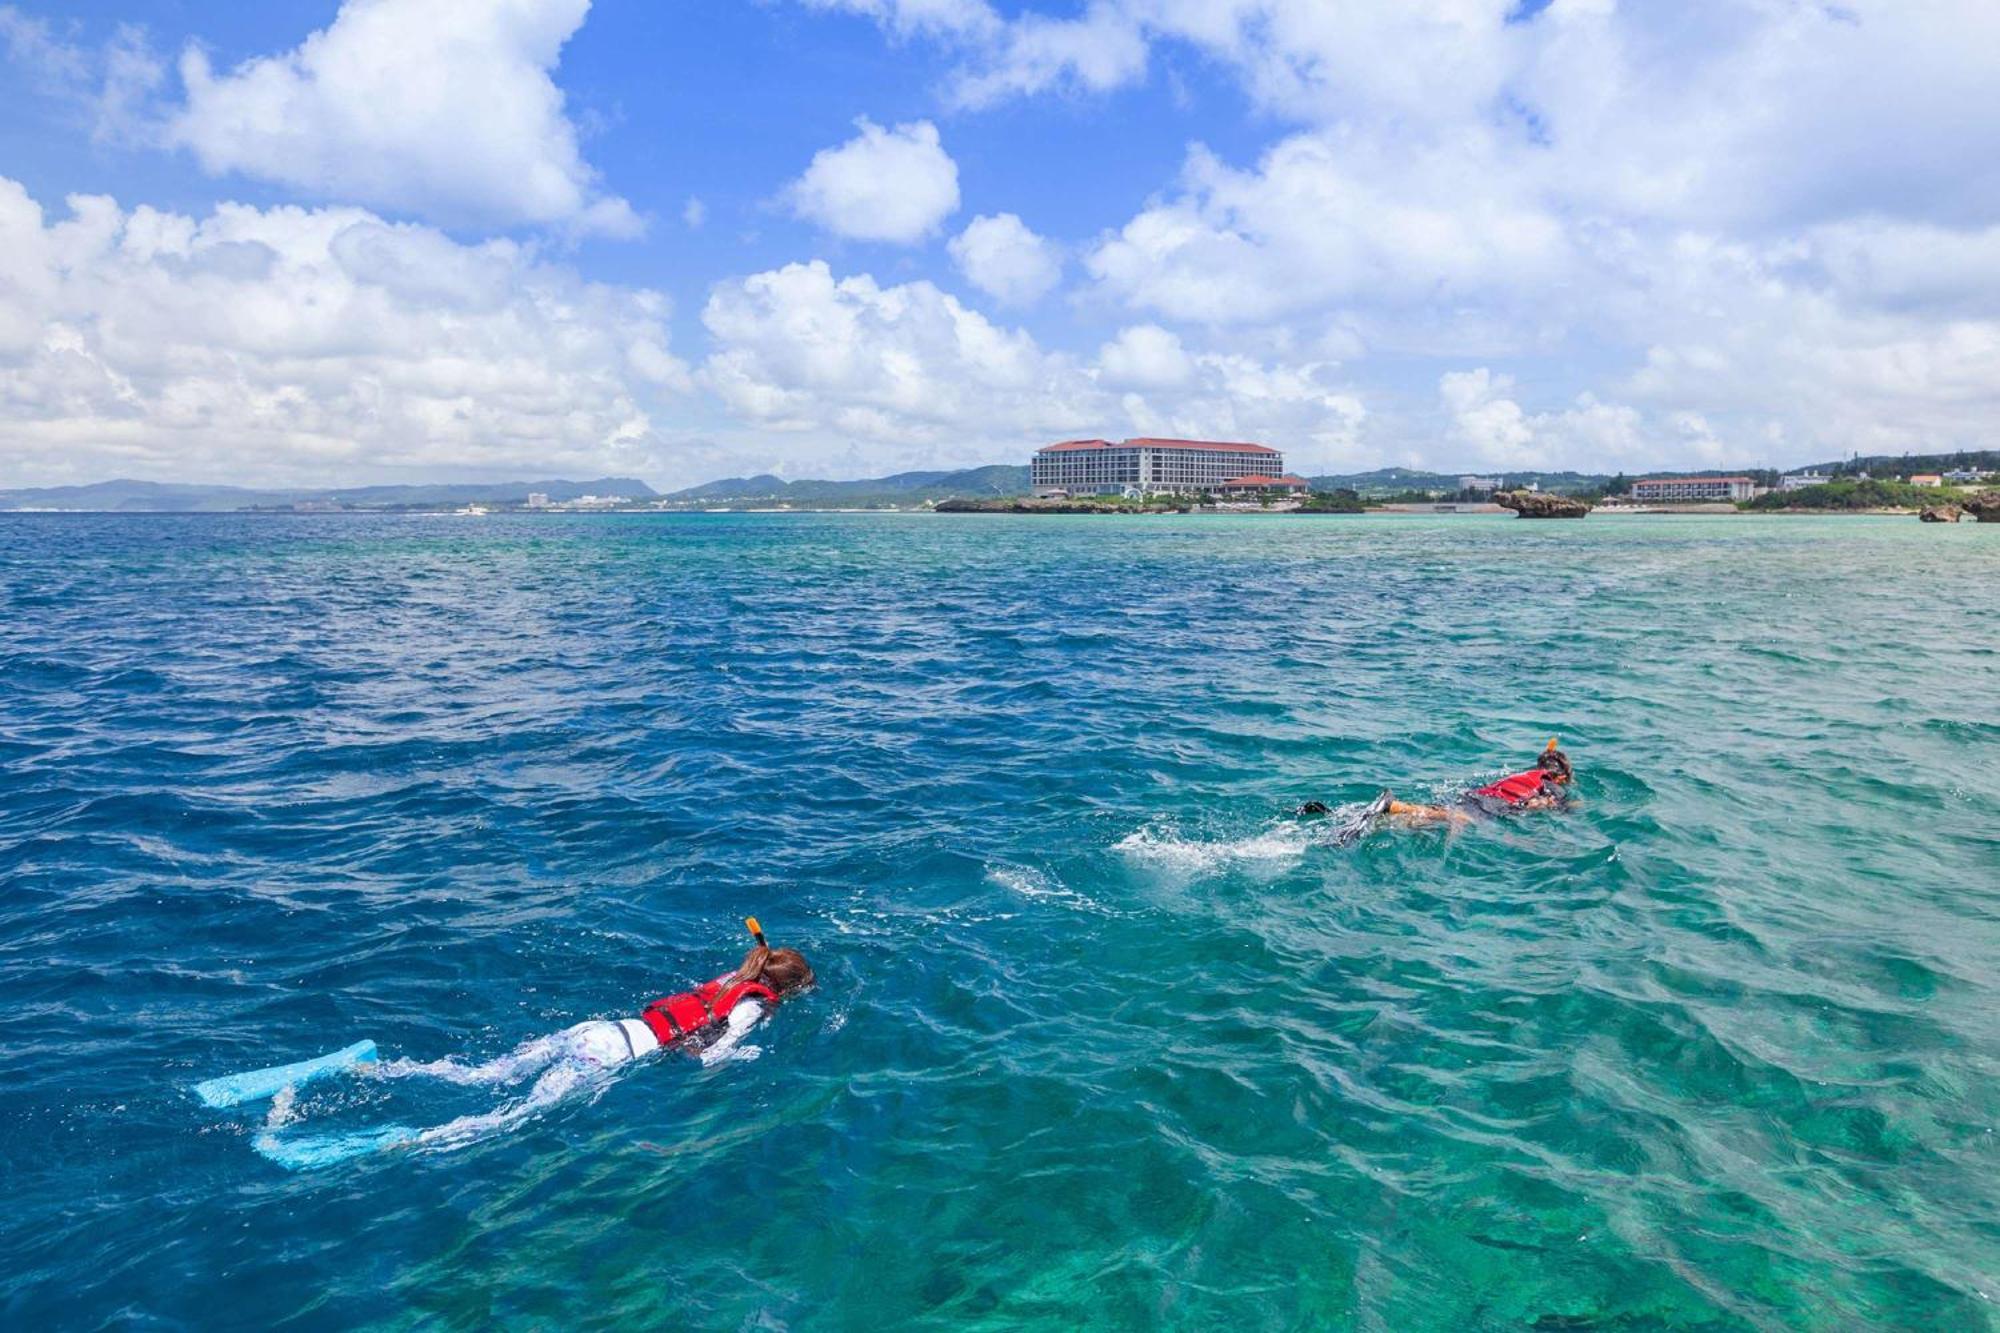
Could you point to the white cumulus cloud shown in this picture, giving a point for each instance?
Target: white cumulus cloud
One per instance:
(441, 108)
(1145, 356)
(1316, 224)
(1490, 429)
(1774, 219)
(1000, 256)
(882, 185)
(798, 349)
(908, 375)
(289, 344)
(1493, 427)
(1099, 50)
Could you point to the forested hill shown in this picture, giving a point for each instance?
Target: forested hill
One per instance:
(1393, 480)
(1902, 465)
(156, 497)
(901, 488)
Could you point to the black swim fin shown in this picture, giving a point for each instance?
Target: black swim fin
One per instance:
(1354, 829)
(1314, 808)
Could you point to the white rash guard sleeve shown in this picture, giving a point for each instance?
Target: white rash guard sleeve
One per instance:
(743, 1016)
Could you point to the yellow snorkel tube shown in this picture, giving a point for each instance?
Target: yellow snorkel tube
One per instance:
(756, 931)
(1566, 774)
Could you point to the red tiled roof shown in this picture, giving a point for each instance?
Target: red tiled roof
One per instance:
(1204, 444)
(1149, 443)
(1262, 482)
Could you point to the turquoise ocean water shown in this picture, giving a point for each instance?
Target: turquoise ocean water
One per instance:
(1102, 1038)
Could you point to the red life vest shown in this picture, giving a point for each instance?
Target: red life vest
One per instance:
(1514, 788)
(676, 1016)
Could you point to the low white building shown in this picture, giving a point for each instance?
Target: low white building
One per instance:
(1479, 483)
(1798, 481)
(1261, 485)
(1694, 488)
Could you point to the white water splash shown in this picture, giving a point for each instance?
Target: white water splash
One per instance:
(719, 1054)
(284, 1108)
(1029, 882)
(1165, 847)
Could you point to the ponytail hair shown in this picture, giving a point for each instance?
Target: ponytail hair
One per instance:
(753, 964)
(782, 970)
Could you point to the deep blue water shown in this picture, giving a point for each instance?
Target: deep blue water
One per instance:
(1100, 1036)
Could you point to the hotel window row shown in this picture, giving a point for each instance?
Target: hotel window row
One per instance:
(1100, 467)
(1694, 488)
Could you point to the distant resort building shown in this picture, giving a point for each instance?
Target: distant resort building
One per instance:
(1152, 467)
(1798, 481)
(1959, 476)
(1238, 487)
(1694, 488)
(1479, 483)
(1927, 479)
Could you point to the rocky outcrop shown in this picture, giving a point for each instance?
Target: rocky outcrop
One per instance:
(1940, 514)
(1984, 506)
(1023, 505)
(1539, 504)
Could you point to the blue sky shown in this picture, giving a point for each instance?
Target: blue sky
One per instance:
(391, 239)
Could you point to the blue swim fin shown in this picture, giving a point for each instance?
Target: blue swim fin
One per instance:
(257, 1084)
(313, 1151)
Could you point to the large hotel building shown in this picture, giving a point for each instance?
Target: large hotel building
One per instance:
(1099, 467)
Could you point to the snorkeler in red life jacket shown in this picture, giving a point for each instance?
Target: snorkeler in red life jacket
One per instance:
(711, 1021)
(692, 1012)
(1520, 788)
(766, 976)
(1542, 787)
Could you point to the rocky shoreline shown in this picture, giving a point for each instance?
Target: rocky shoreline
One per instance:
(1983, 506)
(1024, 505)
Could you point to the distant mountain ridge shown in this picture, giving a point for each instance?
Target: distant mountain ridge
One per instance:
(1384, 480)
(1001, 480)
(901, 488)
(1977, 460)
(158, 497)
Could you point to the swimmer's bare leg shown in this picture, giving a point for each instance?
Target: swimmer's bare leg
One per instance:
(1426, 814)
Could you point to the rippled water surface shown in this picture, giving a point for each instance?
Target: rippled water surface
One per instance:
(1100, 1037)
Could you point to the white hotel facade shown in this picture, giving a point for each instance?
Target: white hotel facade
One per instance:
(1694, 488)
(1149, 466)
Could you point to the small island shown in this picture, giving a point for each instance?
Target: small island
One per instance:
(1541, 504)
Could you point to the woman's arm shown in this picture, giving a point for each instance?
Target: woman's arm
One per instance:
(746, 1014)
